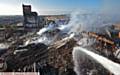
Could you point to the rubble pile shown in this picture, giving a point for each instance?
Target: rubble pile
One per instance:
(60, 55)
(35, 53)
(50, 52)
(55, 58)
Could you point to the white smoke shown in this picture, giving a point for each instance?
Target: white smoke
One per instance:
(41, 31)
(42, 37)
(80, 22)
(90, 22)
(48, 27)
(85, 42)
(74, 24)
(69, 37)
(106, 63)
(4, 45)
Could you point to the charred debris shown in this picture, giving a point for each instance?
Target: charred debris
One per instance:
(49, 50)
(56, 57)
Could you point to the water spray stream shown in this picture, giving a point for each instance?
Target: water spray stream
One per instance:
(106, 63)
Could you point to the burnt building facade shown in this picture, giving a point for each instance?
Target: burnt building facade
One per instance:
(31, 20)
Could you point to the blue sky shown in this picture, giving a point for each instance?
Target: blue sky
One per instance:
(9, 7)
(69, 3)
